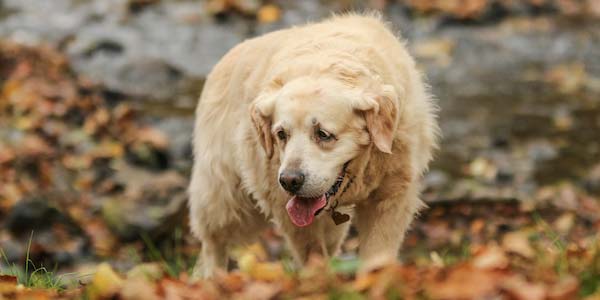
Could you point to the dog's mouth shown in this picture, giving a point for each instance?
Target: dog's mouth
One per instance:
(302, 210)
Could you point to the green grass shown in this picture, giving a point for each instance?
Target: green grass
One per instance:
(170, 254)
(31, 275)
(590, 277)
(562, 263)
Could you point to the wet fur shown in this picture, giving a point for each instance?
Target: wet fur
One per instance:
(234, 192)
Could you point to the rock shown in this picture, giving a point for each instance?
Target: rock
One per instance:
(152, 205)
(179, 131)
(12, 251)
(36, 214)
(49, 236)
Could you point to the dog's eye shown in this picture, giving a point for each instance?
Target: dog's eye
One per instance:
(324, 135)
(281, 135)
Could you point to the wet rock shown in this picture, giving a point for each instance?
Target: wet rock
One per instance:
(36, 214)
(12, 251)
(153, 204)
(144, 155)
(179, 131)
(50, 236)
(542, 151)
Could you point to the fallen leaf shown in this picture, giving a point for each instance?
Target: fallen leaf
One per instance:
(6, 154)
(260, 291)
(520, 289)
(566, 288)
(105, 283)
(564, 223)
(154, 137)
(569, 77)
(146, 271)
(439, 50)
(268, 14)
(491, 257)
(518, 242)
(8, 279)
(231, 282)
(464, 282)
(137, 288)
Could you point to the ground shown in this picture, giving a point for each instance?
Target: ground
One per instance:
(95, 121)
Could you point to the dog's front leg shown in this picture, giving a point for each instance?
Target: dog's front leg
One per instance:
(382, 223)
(323, 238)
(213, 257)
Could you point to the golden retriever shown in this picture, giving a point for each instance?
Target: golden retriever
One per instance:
(307, 128)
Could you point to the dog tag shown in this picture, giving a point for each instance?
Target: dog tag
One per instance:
(339, 218)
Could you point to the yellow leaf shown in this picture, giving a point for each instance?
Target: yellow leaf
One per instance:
(269, 14)
(246, 262)
(250, 265)
(105, 283)
(267, 271)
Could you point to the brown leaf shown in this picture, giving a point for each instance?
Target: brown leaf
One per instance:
(519, 289)
(231, 282)
(564, 223)
(175, 290)
(8, 279)
(6, 154)
(566, 288)
(32, 145)
(139, 289)
(260, 291)
(465, 282)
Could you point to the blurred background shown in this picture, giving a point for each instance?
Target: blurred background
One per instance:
(97, 100)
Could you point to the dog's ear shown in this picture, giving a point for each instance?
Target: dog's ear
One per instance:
(260, 111)
(381, 113)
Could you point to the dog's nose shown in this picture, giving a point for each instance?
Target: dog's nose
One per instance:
(291, 181)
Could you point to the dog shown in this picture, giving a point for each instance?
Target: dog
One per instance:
(311, 128)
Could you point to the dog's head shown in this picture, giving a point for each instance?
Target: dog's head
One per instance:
(318, 125)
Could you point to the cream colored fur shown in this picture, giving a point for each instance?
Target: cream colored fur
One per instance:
(353, 77)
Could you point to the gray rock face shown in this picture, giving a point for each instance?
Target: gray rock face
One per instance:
(153, 52)
(147, 54)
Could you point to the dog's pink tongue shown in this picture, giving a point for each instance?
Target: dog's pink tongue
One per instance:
(302, 210)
